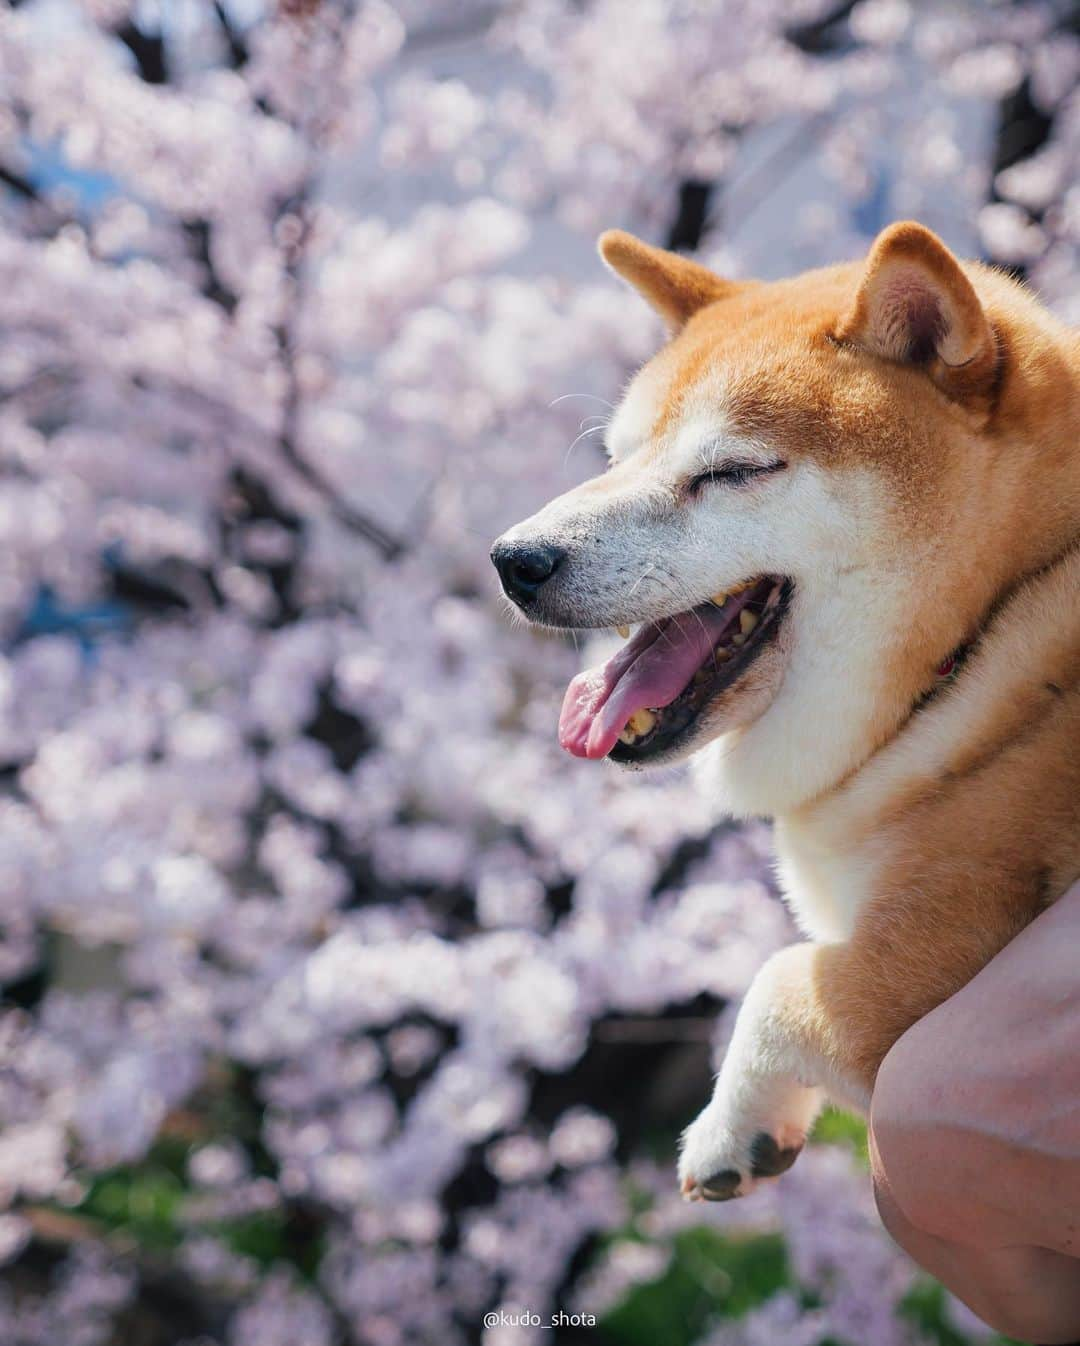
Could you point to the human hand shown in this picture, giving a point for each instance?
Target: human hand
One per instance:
(975, 1135)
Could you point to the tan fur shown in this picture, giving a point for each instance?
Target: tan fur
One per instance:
(675, 286)
(969, 822)
(779, 345)
(944, 397)
(915, 302)
(970, 841)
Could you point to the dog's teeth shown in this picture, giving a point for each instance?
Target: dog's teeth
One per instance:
(638, 725)
(641, 722)
(721, 598)
(738, 639)
(747, 621)
(721, 652)
(623, 631)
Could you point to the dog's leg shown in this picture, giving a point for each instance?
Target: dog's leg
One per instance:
(819, 1019)
(768, 1091)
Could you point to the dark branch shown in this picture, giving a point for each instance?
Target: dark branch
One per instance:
(356, 521)
(689, 223)
(148, 50)
(391, 548)
(198, 233)
(18, 183)
(237, 47)
(826, 35)
(1024, 128)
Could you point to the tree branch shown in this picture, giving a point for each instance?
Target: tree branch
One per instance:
(824, 35)
(198, 232)
(687, 227)
(356, 521)
(237, 47)
(19, 184)
(148, 50)
(390, 547)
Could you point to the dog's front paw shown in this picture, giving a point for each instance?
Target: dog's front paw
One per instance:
(718, 1164)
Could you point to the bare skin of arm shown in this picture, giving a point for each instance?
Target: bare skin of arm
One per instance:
(975, 1135)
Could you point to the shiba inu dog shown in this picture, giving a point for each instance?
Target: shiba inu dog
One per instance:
(843, 513)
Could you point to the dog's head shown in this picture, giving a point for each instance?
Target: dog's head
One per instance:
(791, 518)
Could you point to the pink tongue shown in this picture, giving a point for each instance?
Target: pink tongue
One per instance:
(650, 670)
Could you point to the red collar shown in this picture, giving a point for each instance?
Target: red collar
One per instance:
(950, 665)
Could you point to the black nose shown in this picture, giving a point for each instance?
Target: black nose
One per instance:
(524, 567)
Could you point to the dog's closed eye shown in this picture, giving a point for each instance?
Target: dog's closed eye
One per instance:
(732, 474)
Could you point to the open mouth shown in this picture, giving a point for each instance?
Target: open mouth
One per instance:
(645, 701)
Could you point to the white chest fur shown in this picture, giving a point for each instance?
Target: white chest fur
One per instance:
(824, 883)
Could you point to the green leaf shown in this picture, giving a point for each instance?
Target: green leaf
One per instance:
(141, 1202)
(708, 1278)
(835, 1127)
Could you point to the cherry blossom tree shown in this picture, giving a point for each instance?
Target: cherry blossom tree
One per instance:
(338, 1007)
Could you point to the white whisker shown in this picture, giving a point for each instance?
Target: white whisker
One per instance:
(593, 396)
(584, 435)
(646, 574)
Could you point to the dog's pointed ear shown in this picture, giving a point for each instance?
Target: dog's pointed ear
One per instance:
(675, 286)
(916, 305)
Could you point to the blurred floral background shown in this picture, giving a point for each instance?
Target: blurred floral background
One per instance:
(339, 1008)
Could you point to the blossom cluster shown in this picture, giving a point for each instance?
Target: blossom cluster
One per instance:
(302, 913)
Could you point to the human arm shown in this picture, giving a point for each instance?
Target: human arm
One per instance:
(975, 1135)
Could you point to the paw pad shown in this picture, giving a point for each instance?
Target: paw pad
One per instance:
(722, 1186)
(767, 1159)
